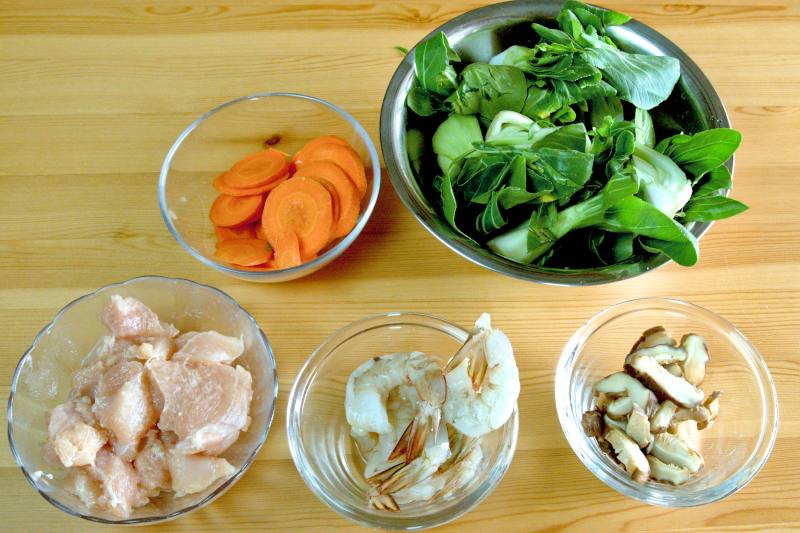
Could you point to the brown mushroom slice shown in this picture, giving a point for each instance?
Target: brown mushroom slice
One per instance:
(674, 369)
(602, 401)
(654, 337)
(687, 431)
(661, 420)
(694, 367)
(620, 408)
(629, 454)
(621, 425)
(675, 451)
(712, 405)
(621, 384)
(667, 473)
(698, 413)
(665, 355)
(638, 427)
(665, 385)
(592, 423)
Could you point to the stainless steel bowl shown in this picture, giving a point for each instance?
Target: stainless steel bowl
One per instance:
(477, 36)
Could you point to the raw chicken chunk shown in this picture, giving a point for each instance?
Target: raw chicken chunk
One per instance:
(131, 319)
(194, 473)
(159, 348)
(208, 347)
(123, 405)
(72, 435)
(206, 405)
(151, 465)
(119, 483)
(87, 488)
(106, 353)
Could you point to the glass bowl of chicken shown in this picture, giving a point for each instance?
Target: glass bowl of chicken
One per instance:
(142, 401)
(666, 402)
(405, 421)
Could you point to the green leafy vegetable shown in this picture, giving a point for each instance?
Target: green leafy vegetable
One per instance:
(488, 89)
(704, 151)
(455, 137)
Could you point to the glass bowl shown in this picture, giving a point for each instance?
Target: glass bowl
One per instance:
(478, 35)
(227, 133)
(42, 380)
(319, 436)
(735, 447)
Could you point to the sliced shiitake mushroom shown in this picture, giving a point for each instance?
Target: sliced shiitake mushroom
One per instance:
(638, 427)
(654, 337)
(694, 367)
(665, 385)
(664, 354)
(661, 471)
(660, 421)
(675, 451)
(622, 384)
(712, 405)
(674, 369)
(629, 454)
(592, 423)
(687, 431)
(619, 424)
(620, 407)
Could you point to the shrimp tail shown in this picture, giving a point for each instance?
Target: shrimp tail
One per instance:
(402, 478)
(412, 441)
(383, 502)
(474, 352)
(378, 478)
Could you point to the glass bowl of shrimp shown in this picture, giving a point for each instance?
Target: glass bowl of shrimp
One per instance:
(44, 376)
(731, 450)
(331, 459)
(236, 194)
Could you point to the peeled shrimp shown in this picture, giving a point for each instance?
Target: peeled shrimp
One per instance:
(369, 388)
(482, 382)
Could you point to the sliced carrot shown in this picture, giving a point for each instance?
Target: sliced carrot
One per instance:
(348, 198)
(301, 206)
(247, 231)
(256, 170)
(344, 156)
(323, 139)
(244, 252)
(287, 250)
(230, 211)
(334, 198)
(260, 231)
(224, 188)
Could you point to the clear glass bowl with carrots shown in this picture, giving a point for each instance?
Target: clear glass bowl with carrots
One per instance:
(269, 187)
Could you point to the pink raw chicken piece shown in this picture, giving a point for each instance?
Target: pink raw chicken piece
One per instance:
(123, 406)
(194, 473)
(131, 319)
(73, 437)
(208, 347)
(159, 348)
(151, 465)
(106, 353)
(206, 405)
(116, 488)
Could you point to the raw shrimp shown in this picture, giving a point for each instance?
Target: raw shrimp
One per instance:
(458, 470)
(482, 381)
(369, 388)
(401, 477)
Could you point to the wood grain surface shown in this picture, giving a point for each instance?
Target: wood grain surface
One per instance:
(93, 93)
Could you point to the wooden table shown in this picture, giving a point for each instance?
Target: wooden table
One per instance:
(91, 97)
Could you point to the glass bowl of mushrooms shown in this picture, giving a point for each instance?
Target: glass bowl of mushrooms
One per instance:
(666, 402)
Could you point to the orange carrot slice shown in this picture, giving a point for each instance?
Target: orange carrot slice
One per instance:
(230, 211)
(348, 198)
(301, 206)
(244, 252)
(323, 139)
(256, 170)
(224, 188)
(344, 156)
(239, 232)
(287, 250)
(260, 231)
